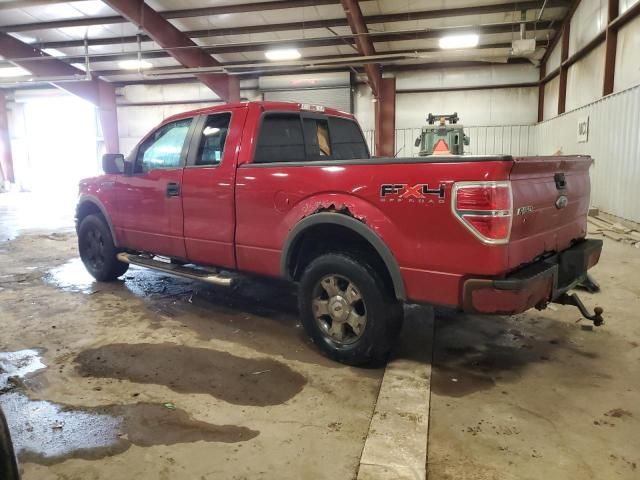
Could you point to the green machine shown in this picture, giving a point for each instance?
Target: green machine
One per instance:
(442, 136)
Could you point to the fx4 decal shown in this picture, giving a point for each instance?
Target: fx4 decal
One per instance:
(420, 193)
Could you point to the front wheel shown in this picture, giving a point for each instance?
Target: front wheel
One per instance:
(97, 251)
(347, 310)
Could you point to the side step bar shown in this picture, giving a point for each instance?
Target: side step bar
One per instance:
(178, 270)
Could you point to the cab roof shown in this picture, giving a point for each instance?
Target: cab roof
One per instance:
(261, 105)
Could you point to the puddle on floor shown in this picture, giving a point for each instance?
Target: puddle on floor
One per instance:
(16, 365)
(260, 314)
(46, 432)
(236, 380)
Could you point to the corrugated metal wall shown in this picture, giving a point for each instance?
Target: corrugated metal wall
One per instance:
(614, 143)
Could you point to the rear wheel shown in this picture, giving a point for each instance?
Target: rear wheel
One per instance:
(347, 310)
(97, 250)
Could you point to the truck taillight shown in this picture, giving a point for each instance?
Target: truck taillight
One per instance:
(485, 208)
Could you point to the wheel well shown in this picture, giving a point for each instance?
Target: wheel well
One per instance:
(87, 208)
(323, 238)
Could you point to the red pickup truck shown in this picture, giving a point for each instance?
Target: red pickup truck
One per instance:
(288, 190)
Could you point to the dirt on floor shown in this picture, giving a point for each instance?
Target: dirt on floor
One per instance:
(542, 395)
(157, 377)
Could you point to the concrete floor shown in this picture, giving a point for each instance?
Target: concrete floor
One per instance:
(156, 377)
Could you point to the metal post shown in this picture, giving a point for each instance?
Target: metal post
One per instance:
(611, 44)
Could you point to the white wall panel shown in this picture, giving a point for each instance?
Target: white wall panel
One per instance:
(466, 77)
(475, 107)
(589, 19)
(364, 107)
(614, 143)
(551, 92)
(626, 5)
(627, 53)
(585, 78)
(553, 61)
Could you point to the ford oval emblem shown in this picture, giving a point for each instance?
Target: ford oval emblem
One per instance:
(562, 201)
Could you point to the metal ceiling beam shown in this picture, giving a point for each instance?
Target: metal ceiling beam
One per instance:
(179, 46)
(170, 14)
(515, 7)
(315, 42)
(320, 58)
(100, 93)
(363, 41)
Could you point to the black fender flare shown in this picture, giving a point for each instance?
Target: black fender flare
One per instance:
(356, 226)
(86, 198)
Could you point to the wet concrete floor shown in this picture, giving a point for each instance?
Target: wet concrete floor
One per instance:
(156, 377)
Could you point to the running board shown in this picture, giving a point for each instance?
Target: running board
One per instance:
(178, 270)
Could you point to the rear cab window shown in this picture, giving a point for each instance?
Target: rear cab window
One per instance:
(308, 137)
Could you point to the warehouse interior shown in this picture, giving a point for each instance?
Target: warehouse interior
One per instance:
(156, 376)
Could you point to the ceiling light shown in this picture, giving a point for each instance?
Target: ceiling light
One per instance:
(459, 41)
(134, 64)
(283, 54)
(53, 52)
(6, 72)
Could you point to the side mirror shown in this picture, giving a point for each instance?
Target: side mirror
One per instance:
(418, 141)
(113, 163)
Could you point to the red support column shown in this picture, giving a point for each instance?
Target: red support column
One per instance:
(611, 45)
(543, 73)
(386, 118)
(6, 159)
(564, 69)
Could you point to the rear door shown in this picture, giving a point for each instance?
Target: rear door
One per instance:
(208, 188)
(149, 197)
(550, 205)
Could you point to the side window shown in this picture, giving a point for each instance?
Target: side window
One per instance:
(280, 139)
(163, 149)
(347, 140)
(214, 136)
(316, 135)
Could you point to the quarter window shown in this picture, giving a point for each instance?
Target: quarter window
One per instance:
(163, 149)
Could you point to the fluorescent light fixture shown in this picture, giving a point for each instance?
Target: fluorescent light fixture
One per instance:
(53, 52)
(282, 54)
(7, 72)
(459, 41)
(134, 64)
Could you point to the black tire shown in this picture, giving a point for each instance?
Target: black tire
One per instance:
(8, 464)
(97, 251)
(382, 313)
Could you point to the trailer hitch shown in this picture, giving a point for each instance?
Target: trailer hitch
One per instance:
(573, 299)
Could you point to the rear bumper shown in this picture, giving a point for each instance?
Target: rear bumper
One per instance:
(534, 285)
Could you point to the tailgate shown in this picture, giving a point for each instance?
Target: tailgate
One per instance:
(550, 205)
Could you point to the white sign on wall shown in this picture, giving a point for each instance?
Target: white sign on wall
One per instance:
(583, 129)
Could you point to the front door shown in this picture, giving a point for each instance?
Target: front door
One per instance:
(149, 200)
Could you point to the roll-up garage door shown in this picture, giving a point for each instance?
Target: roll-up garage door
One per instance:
(327, 89)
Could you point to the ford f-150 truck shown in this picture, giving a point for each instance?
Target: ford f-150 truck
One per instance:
(288, 190)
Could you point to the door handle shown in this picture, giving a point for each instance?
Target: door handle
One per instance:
(173, 189)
